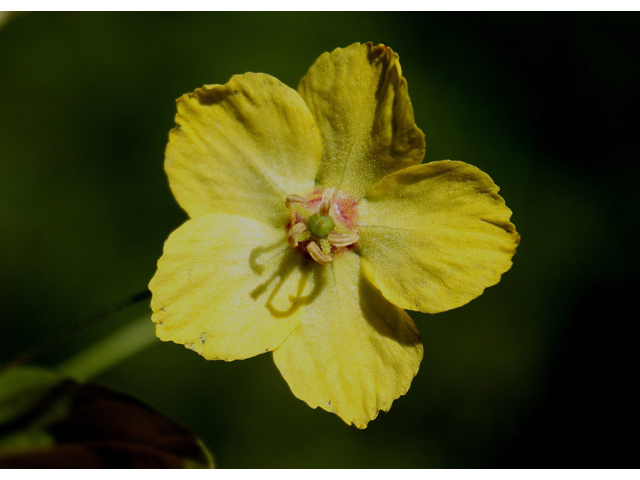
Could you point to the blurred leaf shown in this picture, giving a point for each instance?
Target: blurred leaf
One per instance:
(48, 421)
(21, 389)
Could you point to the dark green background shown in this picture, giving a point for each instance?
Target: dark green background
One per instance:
(537, 372)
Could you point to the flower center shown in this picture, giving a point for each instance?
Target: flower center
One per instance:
(322, 224)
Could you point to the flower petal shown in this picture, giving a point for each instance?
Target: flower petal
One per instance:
(228, 287)
(434, 236)
(360, 102)
(354, 352)
(241, 148)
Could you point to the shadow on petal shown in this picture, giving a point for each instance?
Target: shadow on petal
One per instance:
(383, 315)
(290, 261)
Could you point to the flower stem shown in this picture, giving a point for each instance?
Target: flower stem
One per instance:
(110, 351)
(98, 317)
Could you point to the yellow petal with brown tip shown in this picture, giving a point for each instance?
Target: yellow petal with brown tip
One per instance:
(241, 148)
(360, 102)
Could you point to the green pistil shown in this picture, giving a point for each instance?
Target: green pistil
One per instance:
(321, 226)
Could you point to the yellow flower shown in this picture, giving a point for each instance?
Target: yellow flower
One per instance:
(314, 224)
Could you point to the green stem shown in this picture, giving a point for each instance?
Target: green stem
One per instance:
(117, 347)
(98, 317)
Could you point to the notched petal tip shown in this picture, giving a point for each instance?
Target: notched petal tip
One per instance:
(376, 53)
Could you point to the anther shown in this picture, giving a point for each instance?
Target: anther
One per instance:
(294, 232)
(316, 253)
(342, 239)
(327, 199)
(295, 200)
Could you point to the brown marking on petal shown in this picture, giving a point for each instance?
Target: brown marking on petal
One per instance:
(377, 53)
